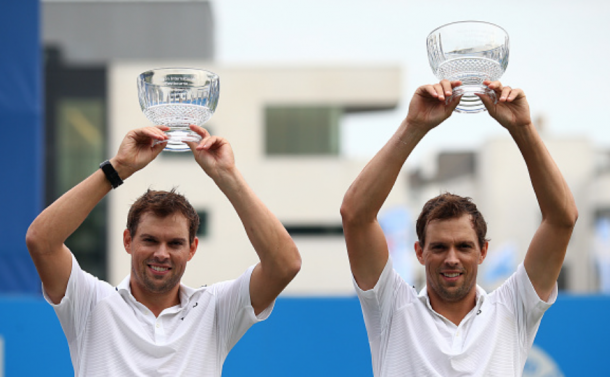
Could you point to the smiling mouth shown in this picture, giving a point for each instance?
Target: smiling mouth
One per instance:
(451, 275)
(159, 269)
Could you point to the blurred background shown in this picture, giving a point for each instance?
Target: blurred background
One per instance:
(310, 90)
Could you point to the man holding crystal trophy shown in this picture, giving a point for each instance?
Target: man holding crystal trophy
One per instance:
(452, 326)
(151, 324)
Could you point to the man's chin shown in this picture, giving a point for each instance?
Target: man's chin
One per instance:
(159, 284)
(453, 293)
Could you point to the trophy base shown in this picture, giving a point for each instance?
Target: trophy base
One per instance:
(470, 103)
(177, 137)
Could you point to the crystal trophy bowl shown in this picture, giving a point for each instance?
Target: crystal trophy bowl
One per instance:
(472, 52)
(177, 98)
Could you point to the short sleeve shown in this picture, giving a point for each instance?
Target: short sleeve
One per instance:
(84, 291)
(234, 309)
(378, 303)
(519, 295)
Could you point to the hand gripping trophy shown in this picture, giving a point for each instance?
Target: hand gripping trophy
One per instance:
(472, 52)
(177, 98)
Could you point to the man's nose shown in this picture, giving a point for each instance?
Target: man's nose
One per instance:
(452, 257)
(162, 252)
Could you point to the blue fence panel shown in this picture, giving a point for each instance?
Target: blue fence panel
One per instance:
(311, 337)
(34, 343)
(305, 337)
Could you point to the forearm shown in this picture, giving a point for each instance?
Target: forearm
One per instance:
(276, 250)
(552, 192)
(57, 222)
(366, 195)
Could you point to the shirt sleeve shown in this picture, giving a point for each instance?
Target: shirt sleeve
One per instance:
(521, 297)
(378, 303)
(234, 309)
(84, 291)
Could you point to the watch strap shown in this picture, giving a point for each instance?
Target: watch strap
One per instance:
(111, 175)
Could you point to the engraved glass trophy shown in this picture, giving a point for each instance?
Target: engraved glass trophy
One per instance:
(472, 52)
(177, 98)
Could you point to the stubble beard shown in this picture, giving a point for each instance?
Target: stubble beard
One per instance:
(453, 293)
(158, 284)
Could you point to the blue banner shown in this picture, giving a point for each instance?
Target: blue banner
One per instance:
(314, 337)
(22, 146)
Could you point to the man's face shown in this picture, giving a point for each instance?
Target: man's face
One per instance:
(159, 252)
(451, 256)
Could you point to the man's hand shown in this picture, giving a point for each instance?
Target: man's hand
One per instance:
(427, 109)
(213, 153)
(138, 149)
(512, 109)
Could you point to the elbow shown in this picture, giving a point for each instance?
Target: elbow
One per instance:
(573, 217)
(293, 266)
(570, 215)
(349, 212)
(33, 240)
(286, 264)
(568, 219)
(346, 212)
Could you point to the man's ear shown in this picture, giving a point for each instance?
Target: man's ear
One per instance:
(127, 241)
(419, 252)
(484, 252)
(193, 248)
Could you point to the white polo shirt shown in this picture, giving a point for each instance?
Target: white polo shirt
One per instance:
(111, 334)
(408, 338)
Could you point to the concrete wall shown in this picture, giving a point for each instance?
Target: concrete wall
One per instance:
(298, 189)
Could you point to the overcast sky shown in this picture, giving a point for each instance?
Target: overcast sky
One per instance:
(559, 56)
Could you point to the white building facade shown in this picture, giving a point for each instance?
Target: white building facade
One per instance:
(304, 190)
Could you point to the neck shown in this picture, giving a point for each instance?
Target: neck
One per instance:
(155, 302)
(454, 311)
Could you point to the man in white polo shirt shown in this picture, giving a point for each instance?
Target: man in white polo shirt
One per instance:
(453, 327)
(151, 324)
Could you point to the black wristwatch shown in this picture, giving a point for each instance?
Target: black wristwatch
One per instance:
(111, 175)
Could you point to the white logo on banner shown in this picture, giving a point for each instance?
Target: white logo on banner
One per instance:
(541, 364)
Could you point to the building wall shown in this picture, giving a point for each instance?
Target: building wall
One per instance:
(298, 189)
(501, 188)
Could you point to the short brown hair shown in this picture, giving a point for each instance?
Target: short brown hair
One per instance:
(162, 204)
(450, 206)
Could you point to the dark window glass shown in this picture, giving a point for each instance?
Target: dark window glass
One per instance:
(314, 230)
(299, 130)
(203, 229)
(75, 128)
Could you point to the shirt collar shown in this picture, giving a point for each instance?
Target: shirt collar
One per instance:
(124, 288)
(480, 296)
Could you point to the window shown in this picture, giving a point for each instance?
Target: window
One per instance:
(314, 230)
(75, 146)
(302, 130)
(203, 230)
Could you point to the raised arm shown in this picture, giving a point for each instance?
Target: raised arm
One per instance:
(280, 260)
(548, 247)
(48, 232)
(366, 245)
